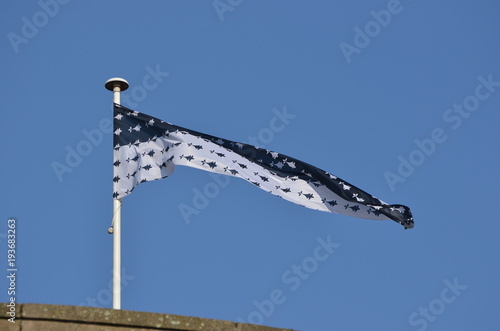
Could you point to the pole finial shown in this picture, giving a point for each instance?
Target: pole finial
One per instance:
(116, 82)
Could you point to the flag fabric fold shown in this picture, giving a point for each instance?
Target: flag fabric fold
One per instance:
(146, 149)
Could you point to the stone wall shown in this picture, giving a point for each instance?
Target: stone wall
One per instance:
(41, 317)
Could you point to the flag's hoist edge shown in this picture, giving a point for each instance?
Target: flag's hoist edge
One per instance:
(146, 149)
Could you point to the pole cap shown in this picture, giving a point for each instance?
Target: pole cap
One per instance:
(116, 81)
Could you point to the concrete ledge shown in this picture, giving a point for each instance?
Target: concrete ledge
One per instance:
(40, 317)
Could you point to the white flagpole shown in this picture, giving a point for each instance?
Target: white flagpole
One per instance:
(116, 85)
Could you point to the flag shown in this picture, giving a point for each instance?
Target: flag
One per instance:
(146, 149)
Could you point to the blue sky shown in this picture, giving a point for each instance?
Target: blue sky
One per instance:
(400, 98)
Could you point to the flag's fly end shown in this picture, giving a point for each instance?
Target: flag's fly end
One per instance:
(407, 221)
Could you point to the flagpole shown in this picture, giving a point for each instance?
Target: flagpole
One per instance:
(116, 85)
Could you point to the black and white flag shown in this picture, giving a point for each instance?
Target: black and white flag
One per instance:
(146, 149)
